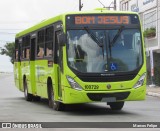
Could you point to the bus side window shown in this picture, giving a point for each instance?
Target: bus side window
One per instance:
(49, 41)
(16, 50)
(40, 44)
(26, 47)
(23, 47)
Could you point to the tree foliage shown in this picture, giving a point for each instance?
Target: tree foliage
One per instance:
(8, 50)
(150, 32)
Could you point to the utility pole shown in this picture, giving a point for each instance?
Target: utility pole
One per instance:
(80, 5)
(115, 5)
(112, 3)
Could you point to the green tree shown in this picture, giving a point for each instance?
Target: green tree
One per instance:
(8, 50)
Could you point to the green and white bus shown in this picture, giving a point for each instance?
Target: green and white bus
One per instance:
(82, 57)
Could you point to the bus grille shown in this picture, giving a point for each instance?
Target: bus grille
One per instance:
(99, 96)
(116, 78)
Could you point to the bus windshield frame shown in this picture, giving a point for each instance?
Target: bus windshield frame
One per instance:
(112, 34)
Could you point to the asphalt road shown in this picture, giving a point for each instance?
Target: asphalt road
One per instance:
(14, 108)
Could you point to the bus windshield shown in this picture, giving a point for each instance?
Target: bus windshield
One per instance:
(120, 50)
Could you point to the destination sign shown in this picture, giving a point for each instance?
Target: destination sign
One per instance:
(101, 20)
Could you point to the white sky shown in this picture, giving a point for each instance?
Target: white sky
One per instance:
(17, 15)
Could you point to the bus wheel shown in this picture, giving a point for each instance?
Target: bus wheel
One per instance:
(27, 96)
(36, 98)
(56, 105)
(116, 105)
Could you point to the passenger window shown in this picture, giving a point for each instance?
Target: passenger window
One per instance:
(26, 47)
(16, 50)
(40, 44)
(49, 41)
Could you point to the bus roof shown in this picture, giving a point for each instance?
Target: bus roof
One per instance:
(62, 17)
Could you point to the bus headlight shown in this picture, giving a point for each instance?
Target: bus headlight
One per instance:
(140, 81)
(73, 83)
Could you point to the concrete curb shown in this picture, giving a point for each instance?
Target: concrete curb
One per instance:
(153, 94)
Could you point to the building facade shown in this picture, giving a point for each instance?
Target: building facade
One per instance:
(149, 11)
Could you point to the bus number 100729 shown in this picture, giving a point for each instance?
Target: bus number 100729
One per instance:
(91, 87)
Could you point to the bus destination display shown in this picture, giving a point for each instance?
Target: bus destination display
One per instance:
(101, 20)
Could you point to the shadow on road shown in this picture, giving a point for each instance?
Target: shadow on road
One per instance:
(93, 109)
(81, 109)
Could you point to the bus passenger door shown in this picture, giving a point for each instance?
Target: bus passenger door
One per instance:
(58, 60)
(32, 65)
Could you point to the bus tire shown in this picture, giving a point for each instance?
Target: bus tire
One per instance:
(27, 96)
(36, 98)
(116, 105)
(56, 105)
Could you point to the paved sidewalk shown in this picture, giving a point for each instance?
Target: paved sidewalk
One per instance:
(153, 91)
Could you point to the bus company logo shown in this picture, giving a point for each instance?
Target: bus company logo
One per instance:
(6, 125)
(108, 86)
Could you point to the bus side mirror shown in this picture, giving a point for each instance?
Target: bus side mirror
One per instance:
(61, 39)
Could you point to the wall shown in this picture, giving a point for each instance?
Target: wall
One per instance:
(150, 17)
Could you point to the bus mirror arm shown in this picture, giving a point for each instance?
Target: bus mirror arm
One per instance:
(61, 39)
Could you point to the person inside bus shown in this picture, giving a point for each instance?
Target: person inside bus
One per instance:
(23, 54)
(16, 54)
(27, 53)
(49, 50)
(40, 51)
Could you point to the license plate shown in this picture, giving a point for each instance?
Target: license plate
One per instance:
(109, 99)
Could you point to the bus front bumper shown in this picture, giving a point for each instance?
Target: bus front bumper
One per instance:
(72, 96)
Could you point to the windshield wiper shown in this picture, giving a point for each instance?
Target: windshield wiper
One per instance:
(94, 38)
(116, 36)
